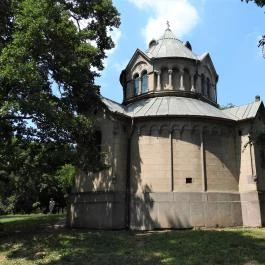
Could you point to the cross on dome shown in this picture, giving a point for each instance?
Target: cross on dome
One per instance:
(168, 26)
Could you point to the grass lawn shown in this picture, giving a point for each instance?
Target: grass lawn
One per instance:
(32, 239)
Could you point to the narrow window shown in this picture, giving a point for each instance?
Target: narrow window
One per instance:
(136, 85)
(144, 82)
(202, 85)
(208, 88)
(187, 80)
(164, 79)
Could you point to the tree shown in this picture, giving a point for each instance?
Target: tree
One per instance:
(227, 106)
(261, 44)
(65, 177)
(260, 3)
(49, 53)
(29, 174)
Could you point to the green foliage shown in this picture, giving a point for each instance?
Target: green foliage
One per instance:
(8, 205)
(227, 106)
(66, 176)
(48, 62)
(260, 3)
(261, 43)
(30, 173)
(24, 243)
(50, 51)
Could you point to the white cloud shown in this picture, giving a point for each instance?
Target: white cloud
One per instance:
(181, 14)
(115, 35)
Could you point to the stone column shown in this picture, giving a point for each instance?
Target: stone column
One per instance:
(181, 71)
(203, 168)
(192, 83)
(170, 79)
(171, 162)
(215, 93)
(140, 86)
(252, 159)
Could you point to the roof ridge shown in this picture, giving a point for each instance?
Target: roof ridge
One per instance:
(247, 104)
(112, 101)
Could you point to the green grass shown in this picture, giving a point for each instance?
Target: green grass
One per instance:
(33, 240)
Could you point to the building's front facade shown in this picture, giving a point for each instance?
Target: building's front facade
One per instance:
(175, 159)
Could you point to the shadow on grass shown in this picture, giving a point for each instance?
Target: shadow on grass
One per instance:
(62, 246)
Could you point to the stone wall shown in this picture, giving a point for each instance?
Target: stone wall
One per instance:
(184, 156)
(183, 173)
(185, 210)
(98, 199)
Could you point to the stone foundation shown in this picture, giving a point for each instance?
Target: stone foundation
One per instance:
(97, 210)
(186, 210)
(176, 210)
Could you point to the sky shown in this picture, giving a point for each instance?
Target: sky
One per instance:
(228, 29)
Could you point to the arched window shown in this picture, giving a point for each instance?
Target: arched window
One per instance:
(175, 79)
(187, 80)
(136, 85)
(164, 79)
(144, 82)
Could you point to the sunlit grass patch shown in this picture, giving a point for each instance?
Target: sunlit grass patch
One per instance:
(51, 246)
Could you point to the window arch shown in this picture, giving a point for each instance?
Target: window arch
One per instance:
(144, 82)
(135, 84)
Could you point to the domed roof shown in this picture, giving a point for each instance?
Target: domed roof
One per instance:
(169, 46)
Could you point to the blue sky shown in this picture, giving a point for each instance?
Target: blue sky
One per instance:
(228, 29)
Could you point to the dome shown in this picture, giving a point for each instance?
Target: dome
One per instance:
(169, 46)
(169, 68)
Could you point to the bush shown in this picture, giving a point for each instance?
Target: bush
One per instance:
(8, 206)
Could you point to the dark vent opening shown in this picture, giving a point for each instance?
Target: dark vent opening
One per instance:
(188, 180)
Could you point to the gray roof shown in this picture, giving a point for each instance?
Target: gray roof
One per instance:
(114, 106)
(173, 106)
(168, 106)
(248, 111)
(169, 46)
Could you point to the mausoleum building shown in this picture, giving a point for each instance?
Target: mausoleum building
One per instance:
(175, 159)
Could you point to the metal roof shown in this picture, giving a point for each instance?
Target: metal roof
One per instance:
(114, 106)
(169, 46)
(167, 106)
(244, 112)
(173, 106)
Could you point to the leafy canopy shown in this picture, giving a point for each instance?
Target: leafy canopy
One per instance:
(50, 51)
(259, 3)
